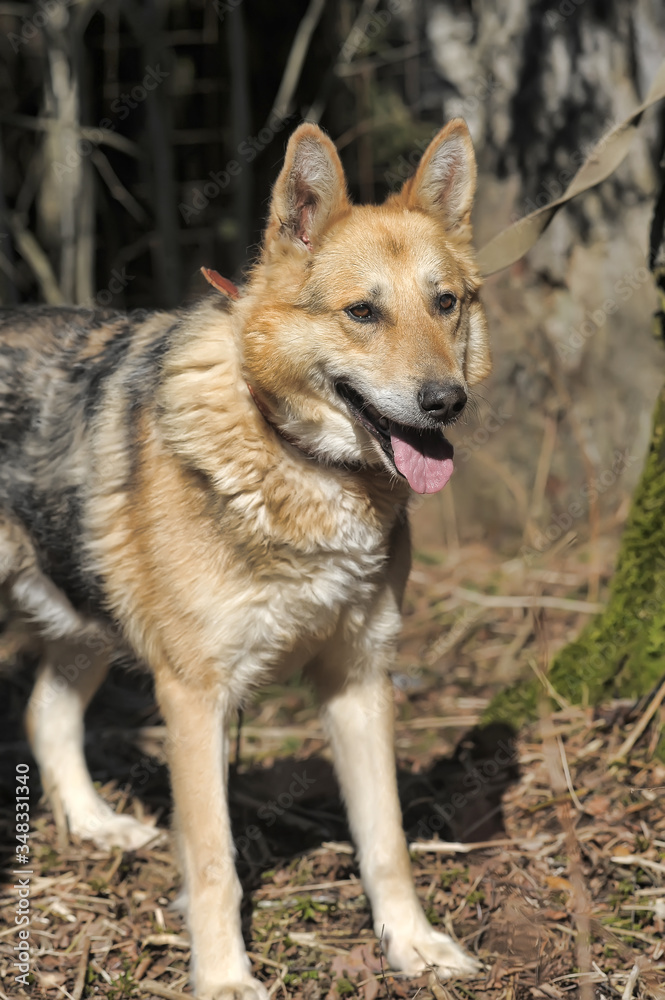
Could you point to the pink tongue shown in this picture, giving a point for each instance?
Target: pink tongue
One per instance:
(426, 460)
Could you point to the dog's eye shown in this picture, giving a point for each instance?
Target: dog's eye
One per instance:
(447, 302)
(362, 311)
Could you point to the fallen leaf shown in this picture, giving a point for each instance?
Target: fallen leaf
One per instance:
(557, 883)
(597, 805)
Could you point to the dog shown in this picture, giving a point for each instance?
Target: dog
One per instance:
(224, 491)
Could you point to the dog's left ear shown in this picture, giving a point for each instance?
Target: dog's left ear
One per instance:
(309, 191)
(445, 182)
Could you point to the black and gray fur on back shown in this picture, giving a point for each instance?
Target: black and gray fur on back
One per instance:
(57, 365)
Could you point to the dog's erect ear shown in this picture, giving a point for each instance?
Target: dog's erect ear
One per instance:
(310, 189)
(445, 182)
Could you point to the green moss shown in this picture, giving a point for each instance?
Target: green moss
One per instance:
(449, 877)
(515, 706)
(621, 652)
(428, 558)
(477, 896)
(306, 909)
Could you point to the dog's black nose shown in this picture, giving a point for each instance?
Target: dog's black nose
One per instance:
(442, 400)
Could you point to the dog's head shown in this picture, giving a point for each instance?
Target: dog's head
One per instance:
(363, 327)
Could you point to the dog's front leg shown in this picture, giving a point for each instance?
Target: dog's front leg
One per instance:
(196, 721)
(359, 720)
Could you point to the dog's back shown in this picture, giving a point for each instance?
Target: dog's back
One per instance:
(55, 364)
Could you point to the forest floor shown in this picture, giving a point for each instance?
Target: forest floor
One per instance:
(540, 853)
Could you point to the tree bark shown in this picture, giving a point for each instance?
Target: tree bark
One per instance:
(621, 653)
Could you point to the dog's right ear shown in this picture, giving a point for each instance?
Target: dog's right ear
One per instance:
(309, 191)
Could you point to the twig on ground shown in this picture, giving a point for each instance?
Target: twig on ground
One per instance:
(264, 960)
(629, 743)
(158, 990)
(389, 992)
(442, 847)
(338, 847)
(296, 890)
(470, 620)
(566, 771)
(279, 981)
(170, 940)
(529, 601)
(631, 982)
(312, 940)
(635, 859)
(79, 985)
(547, 684)
(580, 895)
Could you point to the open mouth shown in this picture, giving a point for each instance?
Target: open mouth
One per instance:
(424, 458)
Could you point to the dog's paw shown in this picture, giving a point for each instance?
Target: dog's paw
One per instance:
(107, 830)
(425, 948)
(247, 989)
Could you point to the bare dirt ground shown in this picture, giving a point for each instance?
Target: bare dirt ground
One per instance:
(541, 854)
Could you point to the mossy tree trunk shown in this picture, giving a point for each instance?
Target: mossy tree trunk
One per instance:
(622, 651)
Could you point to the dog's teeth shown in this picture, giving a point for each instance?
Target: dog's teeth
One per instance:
(376, 417)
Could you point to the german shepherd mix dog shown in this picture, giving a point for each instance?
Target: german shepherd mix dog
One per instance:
(226, 487)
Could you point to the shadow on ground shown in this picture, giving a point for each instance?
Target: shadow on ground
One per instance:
(278, 810)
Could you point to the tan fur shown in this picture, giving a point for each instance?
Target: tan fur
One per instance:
(239, 539)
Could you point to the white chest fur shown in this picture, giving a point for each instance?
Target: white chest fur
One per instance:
(269, 620)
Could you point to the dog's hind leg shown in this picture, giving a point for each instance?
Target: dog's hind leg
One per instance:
(196, 721)
(68, 677)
